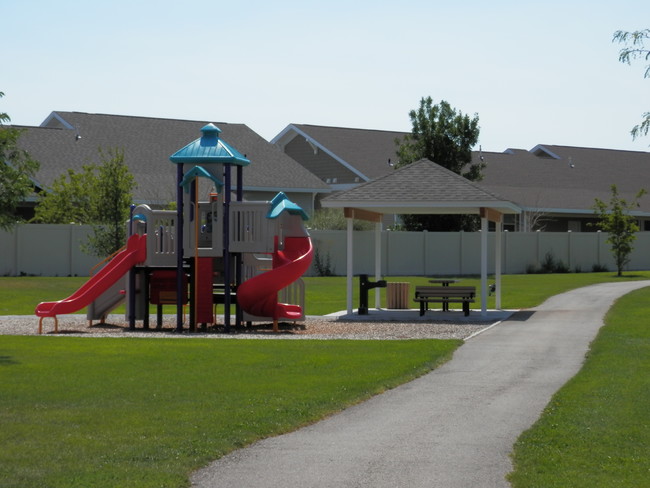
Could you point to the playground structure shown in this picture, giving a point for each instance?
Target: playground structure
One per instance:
(219, 251)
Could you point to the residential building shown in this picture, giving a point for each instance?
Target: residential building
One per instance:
(556, 186)
(70, 140)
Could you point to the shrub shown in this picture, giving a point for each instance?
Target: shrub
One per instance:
(323, 266)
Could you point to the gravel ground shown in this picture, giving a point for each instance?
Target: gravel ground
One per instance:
(311, 328)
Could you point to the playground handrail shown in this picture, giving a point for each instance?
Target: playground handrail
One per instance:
(105, 260)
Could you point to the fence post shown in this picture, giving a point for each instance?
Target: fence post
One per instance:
(425, 245)
(460, 252)
(70, 256)
(598, 234)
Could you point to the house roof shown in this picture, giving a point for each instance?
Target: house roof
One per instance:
(69, 140)
(551, 178)
(367, 152)
(422, 187)
(565, 179)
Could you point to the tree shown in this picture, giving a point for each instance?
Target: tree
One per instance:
(110, 204)
(69, 199)
(99, 195)
(17, 169)
(445, 136)
(334, 219)
(635, 49)
(615, 219)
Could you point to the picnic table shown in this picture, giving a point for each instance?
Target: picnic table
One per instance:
(444, 282)
(444, 295)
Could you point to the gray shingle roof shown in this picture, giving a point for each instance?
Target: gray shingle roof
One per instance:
(570, 179)
(148, 143)
(420, 187)
(552, 178)
(365, 149)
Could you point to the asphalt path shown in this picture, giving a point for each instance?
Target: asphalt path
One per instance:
(453, 427)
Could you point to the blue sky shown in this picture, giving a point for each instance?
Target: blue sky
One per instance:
(534, 72)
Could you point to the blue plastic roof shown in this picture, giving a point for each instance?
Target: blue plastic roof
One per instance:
(209, 149)
(281, 203)
(197, 171)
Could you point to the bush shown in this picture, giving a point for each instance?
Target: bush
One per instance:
(549, 265)
(323, 267)
(560, 267)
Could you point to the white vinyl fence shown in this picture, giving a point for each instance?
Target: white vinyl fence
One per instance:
(45, 250)
(458, 253)
(54, 250)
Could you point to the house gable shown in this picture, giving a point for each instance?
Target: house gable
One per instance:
(355, 155)
(322, 163)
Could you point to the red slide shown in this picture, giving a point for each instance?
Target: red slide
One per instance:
(135, 252)
(259, 295)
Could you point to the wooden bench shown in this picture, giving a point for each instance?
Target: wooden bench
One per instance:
(445, 295)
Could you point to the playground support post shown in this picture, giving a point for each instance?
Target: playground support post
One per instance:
(196, 253)
(179, 248)
(238, 263)
(131, 296)
(226, 248)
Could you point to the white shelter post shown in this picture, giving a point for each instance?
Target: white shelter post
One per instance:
(484, 255)
(377, 262)
(350, 264)
(497, 264)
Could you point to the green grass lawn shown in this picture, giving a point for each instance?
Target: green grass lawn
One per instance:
(595, 432)
(327, 295)
(146, 412)
(81, 412)
(20, 295)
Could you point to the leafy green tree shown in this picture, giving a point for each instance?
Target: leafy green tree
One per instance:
(634, 48)
(17, 169)
(615, 219)
(69, 199)
(445, 136)
(99, 195)
(333, 219)
(110, 204)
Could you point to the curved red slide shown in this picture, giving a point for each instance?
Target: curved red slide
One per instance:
(135, 252)
(259, 295)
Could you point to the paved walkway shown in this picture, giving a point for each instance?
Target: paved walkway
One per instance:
(454, 427)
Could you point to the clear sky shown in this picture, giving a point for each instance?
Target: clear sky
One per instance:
(534, 72)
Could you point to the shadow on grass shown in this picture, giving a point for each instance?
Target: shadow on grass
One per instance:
(7, 361)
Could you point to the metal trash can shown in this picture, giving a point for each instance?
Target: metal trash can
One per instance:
(397, 295)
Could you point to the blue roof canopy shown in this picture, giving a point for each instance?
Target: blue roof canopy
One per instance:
(209, 149)
(281, 203)
(197, 171)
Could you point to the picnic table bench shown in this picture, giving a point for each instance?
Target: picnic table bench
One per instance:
(445, 295)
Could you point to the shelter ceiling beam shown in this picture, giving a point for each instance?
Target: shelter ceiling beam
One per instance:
(491, 214)
(356, 213)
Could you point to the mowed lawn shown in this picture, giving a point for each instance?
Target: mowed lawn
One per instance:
(325, 295)
(129, 412)
(146, 412)
(595, 432)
